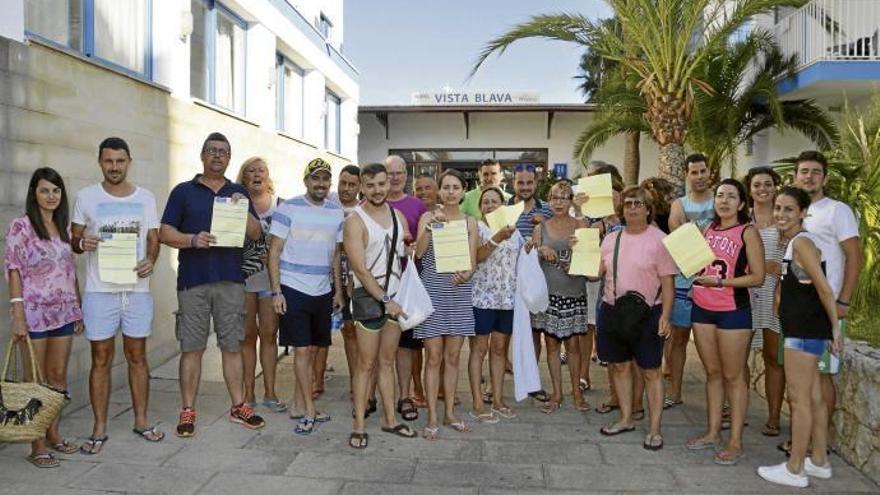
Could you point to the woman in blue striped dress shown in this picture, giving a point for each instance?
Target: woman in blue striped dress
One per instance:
(451, 294)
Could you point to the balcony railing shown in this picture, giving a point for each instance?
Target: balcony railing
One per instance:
(831, 30)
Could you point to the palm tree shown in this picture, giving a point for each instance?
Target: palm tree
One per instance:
(662, 42)
(745, 101)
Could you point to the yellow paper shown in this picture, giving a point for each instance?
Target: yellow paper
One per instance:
(598, 188)
(585, 254)
(117, 258)
(229, 222)
(504, 216)
(689, 249)
(451, 249)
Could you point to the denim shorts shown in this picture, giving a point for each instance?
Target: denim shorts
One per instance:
(62, 331)
(815, 347)
(105, 313)
(681, 309)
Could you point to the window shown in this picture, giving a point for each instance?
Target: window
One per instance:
(332, 123)
(289, 97)
(325, 26)
(217, 55)
(115, 31)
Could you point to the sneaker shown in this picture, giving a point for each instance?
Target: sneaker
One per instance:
(243, 414)
(780, 475)
(186, 427)
(822, 472)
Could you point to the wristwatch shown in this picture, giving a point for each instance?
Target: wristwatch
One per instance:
(385, 299)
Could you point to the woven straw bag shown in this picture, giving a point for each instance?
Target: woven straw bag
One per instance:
(26, 408)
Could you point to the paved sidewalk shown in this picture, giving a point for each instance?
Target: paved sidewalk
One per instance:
(562, 453)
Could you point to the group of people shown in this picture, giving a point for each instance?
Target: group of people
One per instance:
(786, 264)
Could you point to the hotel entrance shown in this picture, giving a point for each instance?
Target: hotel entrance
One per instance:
(433, 162)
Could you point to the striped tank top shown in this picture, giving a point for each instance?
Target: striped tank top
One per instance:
(730, 262)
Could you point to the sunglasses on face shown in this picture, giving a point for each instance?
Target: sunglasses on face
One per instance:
(217, 152)
(636, 203)
(524, 167)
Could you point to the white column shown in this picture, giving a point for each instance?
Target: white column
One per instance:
(12, 20)
(260, 76)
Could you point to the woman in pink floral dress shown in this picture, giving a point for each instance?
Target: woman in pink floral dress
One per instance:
(43, 292)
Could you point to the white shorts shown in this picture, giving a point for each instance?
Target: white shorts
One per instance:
(104, 313)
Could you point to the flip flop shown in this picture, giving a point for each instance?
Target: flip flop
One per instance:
(486, 418)
(419, 402)
(407, 409)
(584, 385)
(770, 430)
(605, 408)
(65, 447)
(504, 412)
(669, 402)
(638, 415)
(306, 426)
(93, 445)
(430, 433)
(610, 431)
(361, 438)
(459, 426)
(44, 461)
(582, 406)
(699, 445)
(551, 407)
(274, 405)
(727, 458)
(653, 442)
(150, 434)
(400, 430)
(487, 397)
(540, 395)
(322, 417)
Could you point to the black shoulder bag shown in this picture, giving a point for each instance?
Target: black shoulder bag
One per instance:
(630, 310)
(363, 305)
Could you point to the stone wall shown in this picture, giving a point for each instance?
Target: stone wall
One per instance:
(55, 107)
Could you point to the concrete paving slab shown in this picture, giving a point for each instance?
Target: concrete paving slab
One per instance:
(577, 452)
(209, 458)
(143, 479)
(600, 477)
(453, 473)
(359, 466)
(358, 488)
(238, 483)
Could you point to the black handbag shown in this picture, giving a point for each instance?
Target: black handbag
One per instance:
(630, 310)
(363, 305)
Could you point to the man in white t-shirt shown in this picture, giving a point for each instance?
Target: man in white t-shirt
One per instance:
(836, 231)
(107, 217)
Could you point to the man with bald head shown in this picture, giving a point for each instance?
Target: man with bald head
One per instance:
(412, 209)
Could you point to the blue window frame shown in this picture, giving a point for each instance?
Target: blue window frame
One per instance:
(289, 91)
(332, 122)
(218, 47)
(118, 34)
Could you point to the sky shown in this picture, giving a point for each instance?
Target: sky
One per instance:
(406, 46)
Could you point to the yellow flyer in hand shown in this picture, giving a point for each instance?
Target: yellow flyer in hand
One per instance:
(452, 252)
(689, 249)
(117, 258)
(504, 216)
(229, 222)
(585, 254)
(598, 188)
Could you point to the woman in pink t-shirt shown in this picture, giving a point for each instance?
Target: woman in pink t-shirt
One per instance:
(43, 292)
(645, 267)
(722, 316)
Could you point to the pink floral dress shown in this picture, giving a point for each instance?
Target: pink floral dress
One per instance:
(48, 277)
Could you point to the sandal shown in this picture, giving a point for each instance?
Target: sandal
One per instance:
(551, 407)
(540, 396)
(699, 444)
(407, 409)
(669, 402)
(727, 457)
(93, 445)
(606, 408)
(653, 442)
(150, 434)
(306, 426)
(584, 385)
(504, 412)
(65, 447)
(274, 405)
(487, 397)
(615, 429)
(486, 418)
(358, 440)
(770, 430)
(419, 402)
(638, 415)
(400, 430)
(430, 433)
(459, 426)
(44, 460)
(582, 406)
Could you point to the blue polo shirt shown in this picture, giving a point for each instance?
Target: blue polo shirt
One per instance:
(524, 223)
(189, 209)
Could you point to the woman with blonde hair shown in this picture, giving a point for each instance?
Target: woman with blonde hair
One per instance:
(260, 318)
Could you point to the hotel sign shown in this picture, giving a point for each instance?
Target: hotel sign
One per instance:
(440, 98)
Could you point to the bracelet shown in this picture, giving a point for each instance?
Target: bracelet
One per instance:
(14, 300)
(81, 248)
(844, 304)
(492, 242)
(276, 293)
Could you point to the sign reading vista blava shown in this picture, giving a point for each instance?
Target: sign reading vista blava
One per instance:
(475, 98)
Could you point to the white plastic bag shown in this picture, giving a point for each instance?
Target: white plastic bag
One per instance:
(413, 298)
(526, 377)
(530, 281)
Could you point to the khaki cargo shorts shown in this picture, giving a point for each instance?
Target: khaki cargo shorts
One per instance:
(222, 302)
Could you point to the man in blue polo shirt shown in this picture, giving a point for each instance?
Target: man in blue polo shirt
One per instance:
(534, 212)
(210, 283)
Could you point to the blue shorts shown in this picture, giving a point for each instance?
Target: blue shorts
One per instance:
(648, 351)
(408, 341)
(104, 313)
(488, 320)
(681, 308)
(815, 347)
(62, 331)
(307, 320)
(738, 319)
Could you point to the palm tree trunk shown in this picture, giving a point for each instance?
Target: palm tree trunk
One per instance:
(672, 163)
(631, 158)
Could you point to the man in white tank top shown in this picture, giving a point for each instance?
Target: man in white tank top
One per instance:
(367, 243)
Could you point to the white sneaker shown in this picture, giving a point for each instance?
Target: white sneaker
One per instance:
(823, 472)
(780, 475)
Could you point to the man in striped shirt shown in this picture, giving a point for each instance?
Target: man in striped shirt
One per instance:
(304, 254)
